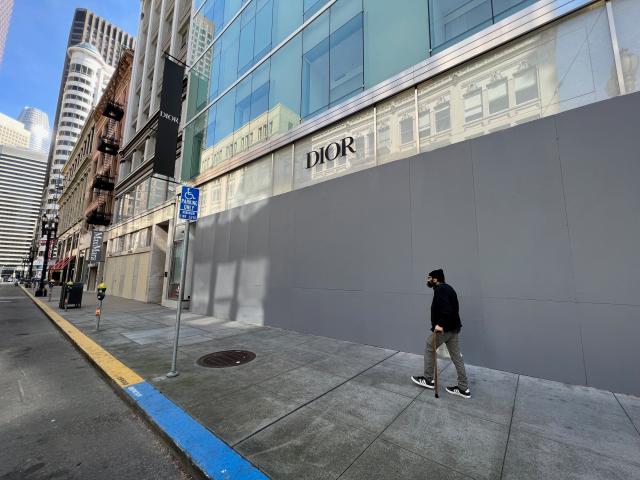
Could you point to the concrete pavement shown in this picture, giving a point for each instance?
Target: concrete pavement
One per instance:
(312, 407)
(58, 417)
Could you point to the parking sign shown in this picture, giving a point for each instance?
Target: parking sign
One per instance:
(189, 198)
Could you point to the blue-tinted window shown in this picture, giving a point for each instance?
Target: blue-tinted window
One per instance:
(396, 38)
(224, 117)
(214, 72)
(453, 20)
(260, 90)
(346, 67)
(287, 16)
(214, 13)
(315, 66)
(243, 103)
(231, 7)
(229, 55)
(311, 7)
(262, 41)
(247, 35)
(504, 8)
(284, 95)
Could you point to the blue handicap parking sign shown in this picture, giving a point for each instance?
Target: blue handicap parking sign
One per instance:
(189, 198)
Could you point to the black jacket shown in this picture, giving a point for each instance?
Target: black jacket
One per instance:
(445, 308)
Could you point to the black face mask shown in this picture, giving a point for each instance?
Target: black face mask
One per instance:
(431, 283)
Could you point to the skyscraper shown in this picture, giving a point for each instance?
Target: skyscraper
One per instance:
(22, 174)
(12, 132)
(6, 7)
(37, 122)
(88, 75)
(93, 50)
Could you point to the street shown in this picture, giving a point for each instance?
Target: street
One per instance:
(59, 418)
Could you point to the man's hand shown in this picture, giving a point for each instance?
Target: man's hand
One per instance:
(438, 329)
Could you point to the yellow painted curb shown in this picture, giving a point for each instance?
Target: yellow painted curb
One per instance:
(114, 368)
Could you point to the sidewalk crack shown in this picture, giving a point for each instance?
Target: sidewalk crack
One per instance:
(513, 410)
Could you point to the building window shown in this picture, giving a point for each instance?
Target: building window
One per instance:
(526, 84)
(443, 117)
(473, 105)
(406, 130)
(498, 96)
(424, 124)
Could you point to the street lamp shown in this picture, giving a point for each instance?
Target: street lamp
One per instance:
(49, 229)
(33, 251)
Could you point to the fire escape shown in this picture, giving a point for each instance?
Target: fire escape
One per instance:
(99, 211)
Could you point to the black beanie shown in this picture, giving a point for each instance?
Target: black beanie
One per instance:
(437, 274)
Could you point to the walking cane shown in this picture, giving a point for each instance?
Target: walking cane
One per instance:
(435, 362)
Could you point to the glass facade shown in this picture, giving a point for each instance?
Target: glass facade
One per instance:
(562, 66)
(272, 64)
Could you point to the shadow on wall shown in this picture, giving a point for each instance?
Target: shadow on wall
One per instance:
(535, 226)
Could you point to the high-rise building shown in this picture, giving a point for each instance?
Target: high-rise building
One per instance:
(344, 148)
(13, 132)
(99, 44)
(6, 8)
(22, 176)
(88, 76)
(37, 122)
(143, 207)
(86, 203)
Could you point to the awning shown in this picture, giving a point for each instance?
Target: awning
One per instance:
(61, 264)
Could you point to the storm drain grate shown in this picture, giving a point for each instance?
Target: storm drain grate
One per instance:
(227, 358)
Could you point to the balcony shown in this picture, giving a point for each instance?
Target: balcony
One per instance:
(108, 145)
(97, 217)
(113, 110)
(99, 210)
(104, 182)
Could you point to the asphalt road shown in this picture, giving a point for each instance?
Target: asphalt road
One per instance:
(59, 419)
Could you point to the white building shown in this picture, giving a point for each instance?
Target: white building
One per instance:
(37, 122)
(22, 176)
(144, 202)
(88, 76)
(13, 133)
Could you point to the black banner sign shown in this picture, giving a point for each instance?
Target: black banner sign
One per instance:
(169, 121)
(95, 249)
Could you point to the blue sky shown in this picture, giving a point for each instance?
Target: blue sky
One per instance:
(35, 49)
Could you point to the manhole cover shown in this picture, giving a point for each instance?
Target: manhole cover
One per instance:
(228, 358)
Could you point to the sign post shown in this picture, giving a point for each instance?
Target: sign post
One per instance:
(188, 210)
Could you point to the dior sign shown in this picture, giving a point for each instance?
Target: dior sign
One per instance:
(171, 118)
(330, 152)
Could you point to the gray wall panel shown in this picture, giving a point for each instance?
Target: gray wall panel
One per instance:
(535, 338)
(386, 219)
(281, 240)
(601, 167)
(329, 234)
(523, 237)
(443, 219)
(610, 336)
(536, 227)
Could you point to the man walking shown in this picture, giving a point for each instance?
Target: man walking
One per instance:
(445, 325)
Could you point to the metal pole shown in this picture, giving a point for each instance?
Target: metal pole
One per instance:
(183, 274)
(98, 315)
(44, 265)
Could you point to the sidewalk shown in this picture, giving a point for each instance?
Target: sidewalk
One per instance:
(310, 407)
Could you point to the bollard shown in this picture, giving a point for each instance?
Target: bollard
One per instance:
(50, 289)
(101, 293)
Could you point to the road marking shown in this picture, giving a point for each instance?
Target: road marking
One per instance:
(214, 457)
(211, 455)
(114, 368)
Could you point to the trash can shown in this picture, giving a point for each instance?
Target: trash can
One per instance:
(71, 295)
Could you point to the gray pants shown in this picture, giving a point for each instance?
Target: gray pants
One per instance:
(451, 340)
